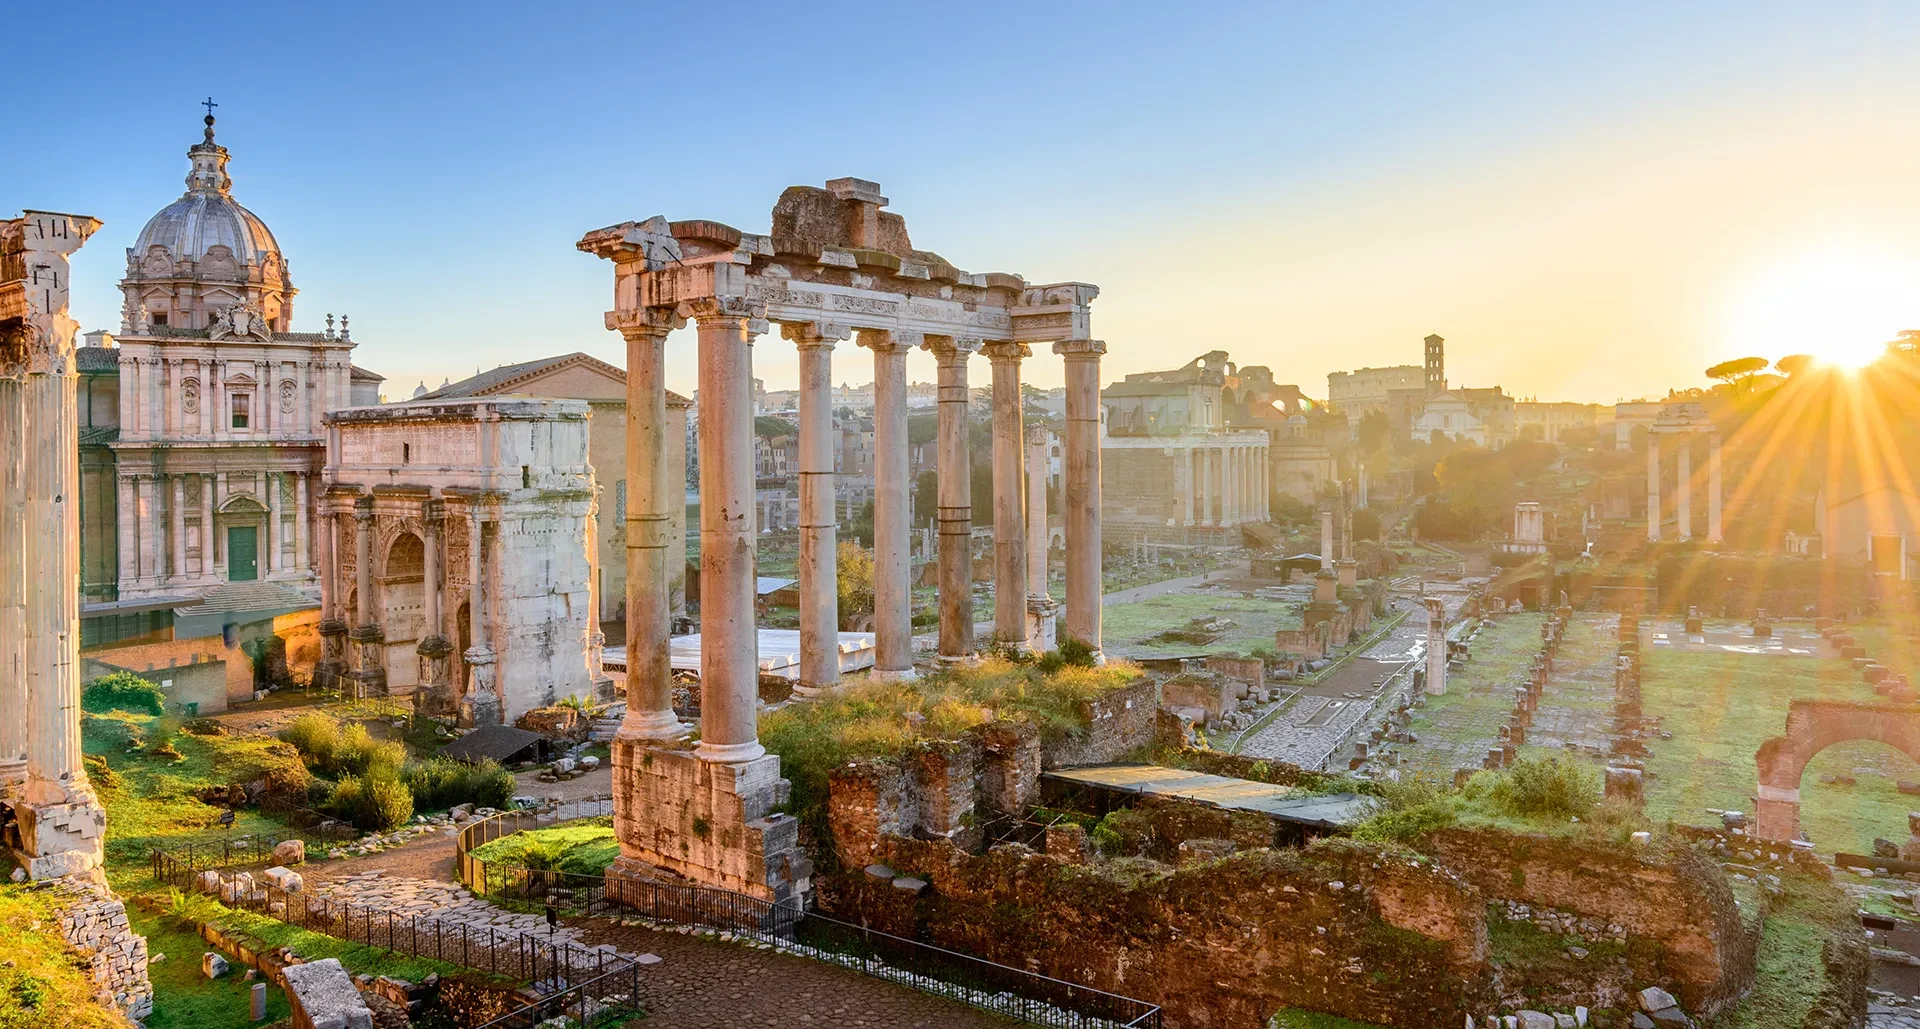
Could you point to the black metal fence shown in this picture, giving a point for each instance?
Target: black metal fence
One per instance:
(1014, 993)
(235, 851)
(553, 967)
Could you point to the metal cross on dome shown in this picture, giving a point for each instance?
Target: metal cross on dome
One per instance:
(209, 105)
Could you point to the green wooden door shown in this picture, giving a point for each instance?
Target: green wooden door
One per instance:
(243, 557)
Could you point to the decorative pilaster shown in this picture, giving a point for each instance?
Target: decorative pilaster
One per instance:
(1082, 493)
(127, 517)
(302, 563)
(206, 528)
(270, 546)
(650, 502)
(819, 531)
(892, 507)
(177, 527)
(1009, 490)
(954, 475)
(729, 638)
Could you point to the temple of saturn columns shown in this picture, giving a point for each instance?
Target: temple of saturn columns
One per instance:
(1683, 421)
(835, 266)
(59, 824)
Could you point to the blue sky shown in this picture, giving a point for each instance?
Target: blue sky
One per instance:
(1588, 203)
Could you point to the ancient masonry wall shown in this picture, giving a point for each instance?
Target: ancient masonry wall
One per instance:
(94, 922)
(541, 600)
(1118, 723)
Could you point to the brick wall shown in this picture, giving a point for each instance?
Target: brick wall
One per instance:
(1118, 723)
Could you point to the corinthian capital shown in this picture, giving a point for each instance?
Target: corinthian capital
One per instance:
(644, 322)
(806, 335)
(1007, 350)
(948, 347)
(1071, 348)
(888, 340)
(719, 307)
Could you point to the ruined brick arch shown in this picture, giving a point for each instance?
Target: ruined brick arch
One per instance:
(1813, 726)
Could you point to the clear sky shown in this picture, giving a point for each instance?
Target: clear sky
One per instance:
(1589, 201)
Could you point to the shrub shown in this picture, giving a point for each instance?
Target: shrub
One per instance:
(189, 911)
(374, 803)
(1552, 786)
(440, 783)
(358, 753)
(1077, 653)
(123, 691)
(160, 739)
(315, 736)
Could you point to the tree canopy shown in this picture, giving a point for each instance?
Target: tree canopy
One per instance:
(1736, 372)
(1794, 364)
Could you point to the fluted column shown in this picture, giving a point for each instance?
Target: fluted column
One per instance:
(1202, 461)
(13, 584)
(1326, 540)
(729, 639)
(954, 475)
(62, 825)
(1009, 489)
(1653, 485)
(892, 508)
(302, 563)
(480, 702)
(1036, 512)
(431, 515)
(1082, 493)
(1713, 488)
(177, 527)
(363, 562)
(819, 530)
(650, 501)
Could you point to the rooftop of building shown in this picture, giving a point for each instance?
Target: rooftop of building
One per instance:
(507, 377)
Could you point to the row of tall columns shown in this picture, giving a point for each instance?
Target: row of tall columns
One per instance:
(954, 475)
(1228, 482)
(62, 825)
(153, 550)
(729, 637)
(1683, 496)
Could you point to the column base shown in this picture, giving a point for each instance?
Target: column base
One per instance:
(729, 753)
(893, 675)
(13, 774)
(683, 819)
(62, 836)
(436, 697)
(651, 725)
(479, 705)
(958, 660)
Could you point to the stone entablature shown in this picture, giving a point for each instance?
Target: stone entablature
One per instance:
(484, 633)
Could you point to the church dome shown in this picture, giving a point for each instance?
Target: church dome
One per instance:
(206, 216)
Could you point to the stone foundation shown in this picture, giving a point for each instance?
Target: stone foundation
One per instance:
(62, 838)
(1118, 722)
(94, 922)
(705, 821)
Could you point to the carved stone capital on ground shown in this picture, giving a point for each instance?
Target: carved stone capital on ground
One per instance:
(888, 340)
(811, 335)
(1080, 348)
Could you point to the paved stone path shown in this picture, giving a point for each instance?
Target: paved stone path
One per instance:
(1576, 707)
(1882, 1016)
(428, 898)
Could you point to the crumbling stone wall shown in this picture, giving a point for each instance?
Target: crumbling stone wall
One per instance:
(1118, 723)
(1667, 894)
(94, 922)
(1340, 927)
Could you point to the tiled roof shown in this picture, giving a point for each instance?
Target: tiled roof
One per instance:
(249, 596)
(363, 375)
(98, 437)
(491, 382)
(97, 359)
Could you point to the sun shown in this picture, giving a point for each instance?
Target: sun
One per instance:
(1839, 303)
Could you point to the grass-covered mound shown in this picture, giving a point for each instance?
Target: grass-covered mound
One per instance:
(1553, 794)
(43, 983)
(374, 784)
(586, 848)
(874, 719)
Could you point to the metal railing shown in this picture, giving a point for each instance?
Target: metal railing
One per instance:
(552, 966)
(234, 851)
(1012, 992)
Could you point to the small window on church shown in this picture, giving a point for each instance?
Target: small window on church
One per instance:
(160, 318)
(406, 453)
(240, 408)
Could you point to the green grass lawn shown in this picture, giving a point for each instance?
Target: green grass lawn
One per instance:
(1125, 628)
(579, 849)
(1456, 729)
(1791, 974)
(185, 999)
(1721, 706)
(41, 984)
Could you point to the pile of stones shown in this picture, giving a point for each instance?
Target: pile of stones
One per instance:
(569, 768)
(1565, 923)
(374, 843)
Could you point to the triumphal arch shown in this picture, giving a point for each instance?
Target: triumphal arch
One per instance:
(835, 266)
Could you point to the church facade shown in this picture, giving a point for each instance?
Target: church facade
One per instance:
(204, 414)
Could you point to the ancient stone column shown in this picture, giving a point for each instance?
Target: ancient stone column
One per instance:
(1683, 497)
(1653, 486)
(892, 509)
(1326, 539)
(1082, 492)
(729, 638)
(1042, 611)
(819, 529)
(480, 704)
(1436, 646)
(1009, 487)
(1713, 488)
(177, 527)
(596, 636)
(650, 501)
(369, 639)
(62, 824)
(13, 583)
(437, 697)
(331, 670)
(954, 473)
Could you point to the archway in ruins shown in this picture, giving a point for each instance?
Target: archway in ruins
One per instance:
(1813, 726)
(402, 617)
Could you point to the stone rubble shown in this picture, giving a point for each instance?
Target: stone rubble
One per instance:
(94, 922)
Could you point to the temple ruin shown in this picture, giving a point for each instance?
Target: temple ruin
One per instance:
(835, 266)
